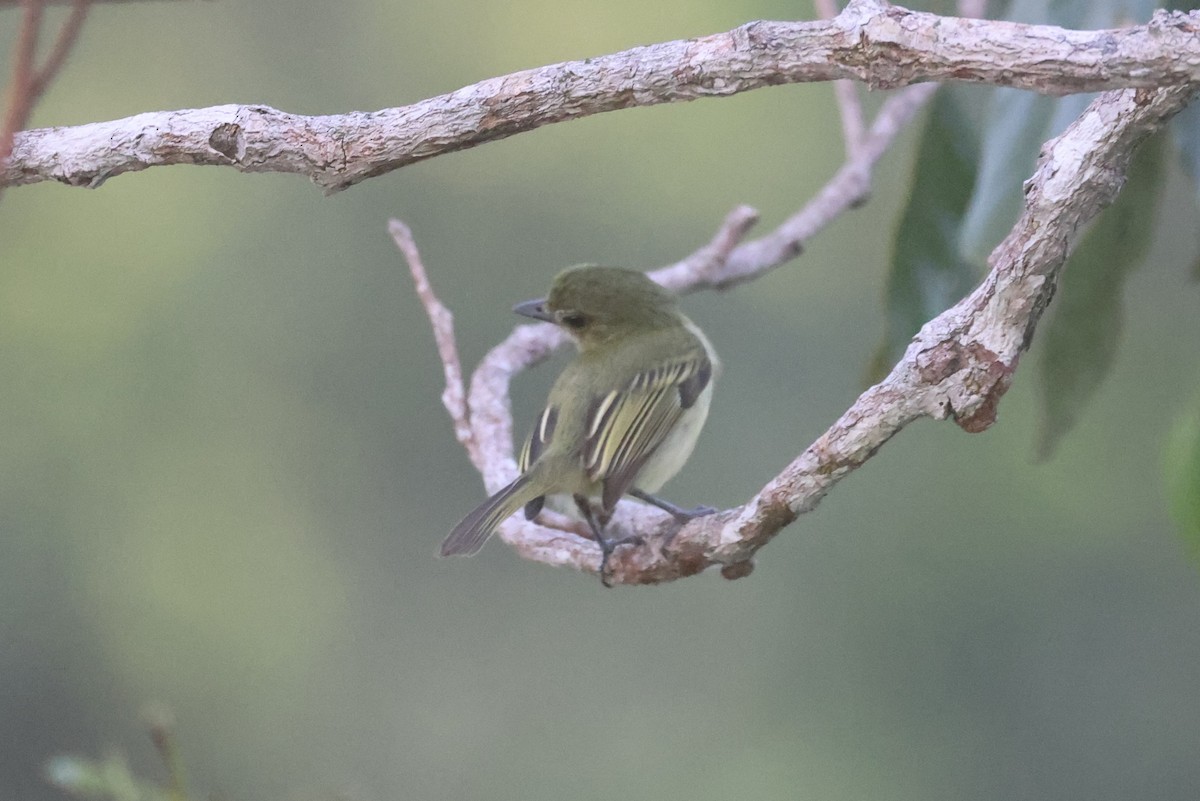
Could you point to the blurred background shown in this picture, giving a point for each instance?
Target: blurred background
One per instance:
(225, 470)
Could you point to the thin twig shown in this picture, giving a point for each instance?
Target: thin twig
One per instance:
(442, 321)
(29, 83)
(846, 94)
(708, 263)
(19, 97)
(847, 189)
(67, 36)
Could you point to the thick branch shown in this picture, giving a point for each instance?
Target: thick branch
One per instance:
(881, 45)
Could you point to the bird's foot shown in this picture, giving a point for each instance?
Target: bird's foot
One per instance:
(607, 547)
(680, 514)
(684, 515)
(682, 518)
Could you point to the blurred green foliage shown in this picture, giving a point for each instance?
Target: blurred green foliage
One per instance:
(1183, 476)
(1015, 123)
(225, 469)
(928, 273)
(1081, 338)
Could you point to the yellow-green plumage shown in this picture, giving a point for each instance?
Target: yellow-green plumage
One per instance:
(622, 416)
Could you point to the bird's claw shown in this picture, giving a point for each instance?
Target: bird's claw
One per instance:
(682, 518)
(607, 547)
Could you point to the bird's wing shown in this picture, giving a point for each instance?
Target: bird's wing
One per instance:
(535, 443)
(625, 426)
(538, 439)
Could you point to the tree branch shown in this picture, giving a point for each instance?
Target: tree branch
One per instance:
(442, 322)
(20, 98)
(884, 46)
(845, 92)
(27, 83)
(958, 366)
(67, 35)
(849, 187)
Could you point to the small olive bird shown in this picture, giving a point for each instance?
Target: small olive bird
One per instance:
(622, 417)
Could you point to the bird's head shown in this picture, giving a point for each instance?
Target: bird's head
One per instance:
(596, 305)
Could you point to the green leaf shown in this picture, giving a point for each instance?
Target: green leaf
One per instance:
(1182, 469)
(1081, 338)
(1018, 122)
(943, 233)
(927, 275)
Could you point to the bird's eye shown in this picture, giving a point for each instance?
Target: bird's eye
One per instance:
(573, 320)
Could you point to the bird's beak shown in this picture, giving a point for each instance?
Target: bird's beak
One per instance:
(535, 309)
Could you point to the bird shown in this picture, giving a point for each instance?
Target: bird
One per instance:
(622, 417)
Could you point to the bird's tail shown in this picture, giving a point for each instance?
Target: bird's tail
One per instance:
(474, 529)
